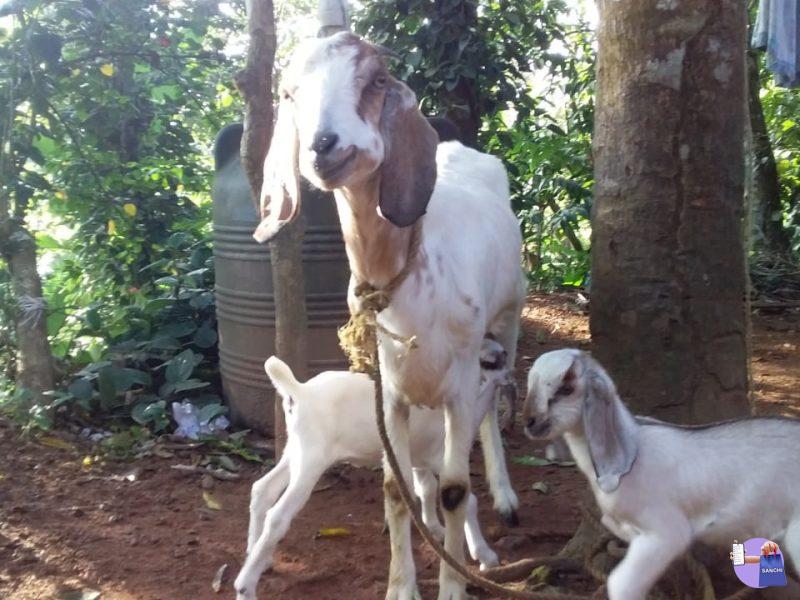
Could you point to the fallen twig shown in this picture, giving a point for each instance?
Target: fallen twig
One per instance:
(220, 474)
(523, 568)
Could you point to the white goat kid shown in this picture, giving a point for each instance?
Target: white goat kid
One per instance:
(331, 419)
(346, 125)
(661, 486)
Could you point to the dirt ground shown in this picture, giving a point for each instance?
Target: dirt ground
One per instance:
(142, 530)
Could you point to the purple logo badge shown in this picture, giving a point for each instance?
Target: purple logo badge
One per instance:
(758, 563)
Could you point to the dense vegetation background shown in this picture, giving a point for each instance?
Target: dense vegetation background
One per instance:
(109, 110)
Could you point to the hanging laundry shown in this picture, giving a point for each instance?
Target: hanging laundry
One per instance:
(776, 31)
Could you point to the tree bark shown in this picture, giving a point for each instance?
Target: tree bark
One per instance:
(35, 360)
(255, 83)
(668, 311)
(766, 227)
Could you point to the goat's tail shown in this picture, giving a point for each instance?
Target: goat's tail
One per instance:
(282, 377)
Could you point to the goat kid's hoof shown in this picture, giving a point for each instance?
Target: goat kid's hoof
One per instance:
(488, 560)
(403, 593)
(510, 518)
(452, 590)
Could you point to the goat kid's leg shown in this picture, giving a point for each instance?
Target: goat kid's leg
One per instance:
(263, 495)
(647, 558)
(455, 488)
(304, 474)
(426, 487)
(402, 574)
(505, 500)
(479, 549)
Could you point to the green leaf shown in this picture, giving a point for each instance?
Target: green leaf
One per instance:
(181, 367)
(178, 330)
(189, 384)
(205, 337)
(47, 242)
(210, 411)
(55, 321)
(106, 387)
(81, 388)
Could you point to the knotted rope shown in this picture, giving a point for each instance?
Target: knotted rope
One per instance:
(359, 340)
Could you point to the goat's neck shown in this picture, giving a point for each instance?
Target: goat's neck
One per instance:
(376, 249)
(579, 448)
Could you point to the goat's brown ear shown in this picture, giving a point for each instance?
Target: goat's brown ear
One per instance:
(408, 173)
(280, 191)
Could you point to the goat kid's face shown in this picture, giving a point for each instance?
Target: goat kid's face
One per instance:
(554, 403)
(342, 120)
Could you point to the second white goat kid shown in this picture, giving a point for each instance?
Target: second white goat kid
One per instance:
(661, 486)
(331, 419)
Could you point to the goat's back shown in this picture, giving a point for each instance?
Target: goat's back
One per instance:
(337, 409)
(742, 476)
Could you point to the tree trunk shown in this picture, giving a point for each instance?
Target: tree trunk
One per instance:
(255, 83)
(668, 311)
(35, 361)
(766, 227)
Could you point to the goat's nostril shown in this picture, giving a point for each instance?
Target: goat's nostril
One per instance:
(531, 423)
(324, 142)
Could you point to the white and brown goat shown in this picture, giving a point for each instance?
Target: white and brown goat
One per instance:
(347, 125)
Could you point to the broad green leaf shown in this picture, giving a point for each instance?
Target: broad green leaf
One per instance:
(205, 337)
(181, 367)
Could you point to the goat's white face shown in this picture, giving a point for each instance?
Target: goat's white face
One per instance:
(337, 88)
(343, 120)
(556, 391)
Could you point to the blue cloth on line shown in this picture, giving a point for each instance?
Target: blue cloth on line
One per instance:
(776, 31)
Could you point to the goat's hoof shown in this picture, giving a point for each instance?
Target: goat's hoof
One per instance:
(488, 559)
(510, 518)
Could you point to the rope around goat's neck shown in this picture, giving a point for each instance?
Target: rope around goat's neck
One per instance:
(359, 339)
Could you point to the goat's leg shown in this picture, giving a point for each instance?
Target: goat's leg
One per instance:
(505, 328)
(305, 472)
(454, 479)
(505, 500)
(791, 544)
(402, 575)
(648, 556)
(263, 495)
(479, 549)
(426, 488)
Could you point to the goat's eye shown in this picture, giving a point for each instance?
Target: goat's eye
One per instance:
(380, 81)
(565, 390)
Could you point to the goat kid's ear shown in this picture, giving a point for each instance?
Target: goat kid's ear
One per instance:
(408, 173)
(610, 431)
(280, 190)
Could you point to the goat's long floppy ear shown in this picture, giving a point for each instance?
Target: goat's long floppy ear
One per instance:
(408, 173)
(280, 191)
(610, 431)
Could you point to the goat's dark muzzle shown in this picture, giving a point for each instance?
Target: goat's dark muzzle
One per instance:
(332, 165)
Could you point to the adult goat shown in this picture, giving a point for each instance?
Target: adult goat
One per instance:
(433, 223)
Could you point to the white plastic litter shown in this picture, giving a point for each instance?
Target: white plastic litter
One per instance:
(187, 417)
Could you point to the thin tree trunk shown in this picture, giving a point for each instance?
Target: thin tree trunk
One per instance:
(255, 83)
(668, 314)
(35, 361)
(766, 227)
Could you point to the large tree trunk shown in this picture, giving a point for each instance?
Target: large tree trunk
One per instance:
(766, 227)
(255, 83)
(668, 311)
(35, 361)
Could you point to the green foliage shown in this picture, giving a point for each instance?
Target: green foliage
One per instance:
(781, 110)
(114, 106)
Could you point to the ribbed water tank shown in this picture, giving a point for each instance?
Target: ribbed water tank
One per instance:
(244, 288)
